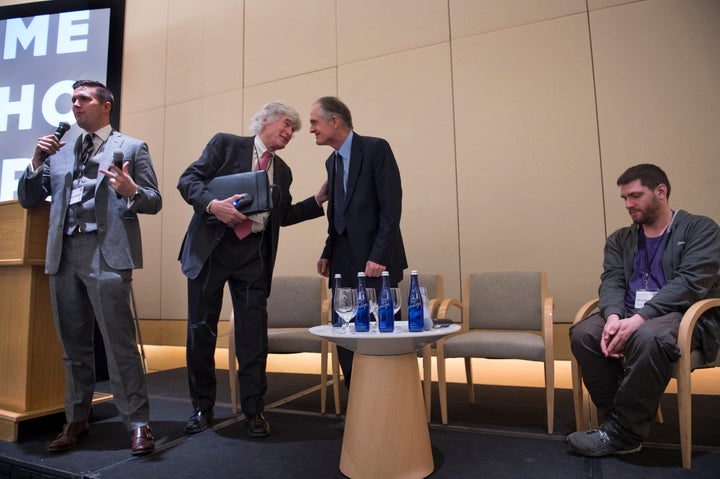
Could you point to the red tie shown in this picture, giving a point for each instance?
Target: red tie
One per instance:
(265, 160)
(243, 229)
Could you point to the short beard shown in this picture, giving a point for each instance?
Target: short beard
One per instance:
(652, 213)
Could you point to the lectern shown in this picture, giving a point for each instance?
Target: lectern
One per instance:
(32, 378)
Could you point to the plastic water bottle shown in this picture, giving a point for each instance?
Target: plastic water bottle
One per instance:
(386, 315)
(415, 305)
(336, 319)
(427, 320)
(362, 317)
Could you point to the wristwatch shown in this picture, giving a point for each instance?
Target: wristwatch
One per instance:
(135, 196)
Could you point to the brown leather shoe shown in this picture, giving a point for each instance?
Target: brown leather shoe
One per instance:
(68, 438)
(143, 441)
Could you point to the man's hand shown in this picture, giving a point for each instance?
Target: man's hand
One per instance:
(120, 180)
(322, 195)
(225, 211)
(323, 267)
(616, 333)
(46, 144)
(373, 270)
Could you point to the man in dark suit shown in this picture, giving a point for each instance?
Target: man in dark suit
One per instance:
(93, 246)
(364, 226)
(224, 246)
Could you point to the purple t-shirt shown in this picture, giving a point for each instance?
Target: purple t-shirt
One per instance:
(647, 268)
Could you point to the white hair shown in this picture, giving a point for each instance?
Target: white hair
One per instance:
(271, 112)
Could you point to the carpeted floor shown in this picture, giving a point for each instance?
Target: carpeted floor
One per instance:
(502, 435)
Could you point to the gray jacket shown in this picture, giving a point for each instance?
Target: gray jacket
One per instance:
(118, 226)
(691, 265)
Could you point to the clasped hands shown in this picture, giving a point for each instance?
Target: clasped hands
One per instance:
(616, 333)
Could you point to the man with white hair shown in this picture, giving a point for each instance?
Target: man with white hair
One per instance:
(224, 246)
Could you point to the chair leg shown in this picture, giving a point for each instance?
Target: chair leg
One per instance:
(469, 379)
(550, 393)
(442, 386)
(323, 375)
(685, 415)
(336, 379)
(581, 414)
(427, 380)
(232, 365)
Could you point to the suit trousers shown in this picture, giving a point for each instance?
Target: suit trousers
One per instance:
(86, 289)
(243, 265)
(628, 390)
(343, 262)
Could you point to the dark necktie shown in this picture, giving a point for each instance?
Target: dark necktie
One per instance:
(339, 194)
(87, 148)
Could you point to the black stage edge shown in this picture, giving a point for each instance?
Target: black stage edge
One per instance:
(502, 435)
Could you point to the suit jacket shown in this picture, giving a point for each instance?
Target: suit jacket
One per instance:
(228, 154)
(373, 206)
(118, 227)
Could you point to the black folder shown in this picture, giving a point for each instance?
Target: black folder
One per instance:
(254, 182)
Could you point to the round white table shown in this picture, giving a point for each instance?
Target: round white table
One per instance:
(386, 432)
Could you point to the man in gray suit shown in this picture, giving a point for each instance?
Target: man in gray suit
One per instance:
(93, 246)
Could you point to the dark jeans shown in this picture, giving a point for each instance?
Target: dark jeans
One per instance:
(628, 390)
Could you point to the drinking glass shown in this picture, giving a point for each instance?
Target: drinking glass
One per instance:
(372, 302)
(345, 304)
(397, 299)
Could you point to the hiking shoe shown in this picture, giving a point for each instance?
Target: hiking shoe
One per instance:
(598, 443)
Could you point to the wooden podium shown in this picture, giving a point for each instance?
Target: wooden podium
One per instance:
(32, 378)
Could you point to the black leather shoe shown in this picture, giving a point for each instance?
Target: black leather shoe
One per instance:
(199, 421)
(256, 425)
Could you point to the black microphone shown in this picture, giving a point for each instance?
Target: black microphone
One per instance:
(61, 129)
(118, 157)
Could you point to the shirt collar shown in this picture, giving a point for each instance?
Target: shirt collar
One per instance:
(103, 133)
(260, 147)
(346, 147)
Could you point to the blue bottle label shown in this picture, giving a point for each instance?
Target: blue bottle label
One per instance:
(362, 318)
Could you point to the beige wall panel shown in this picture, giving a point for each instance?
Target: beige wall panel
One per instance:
(301, 244)
(149, 127)
(372, 28)
(470, 17)
(599, 4)
(288, 37)
(657, 66)
(189, 127)
(410, 105)
(205, 48)
(144, 55)
(528, 169)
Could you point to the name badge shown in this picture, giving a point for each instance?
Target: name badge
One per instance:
(643, 296)
(76, 195)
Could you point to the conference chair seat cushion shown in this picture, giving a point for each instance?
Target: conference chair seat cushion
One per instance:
(292, 340)
(496, 345)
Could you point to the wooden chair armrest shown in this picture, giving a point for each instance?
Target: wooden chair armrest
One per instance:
(585, 310)
(325, 312)
(445, 306)
(547, 327)
(687, 325)
(434, 305)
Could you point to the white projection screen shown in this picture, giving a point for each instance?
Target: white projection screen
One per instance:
(44, 48)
